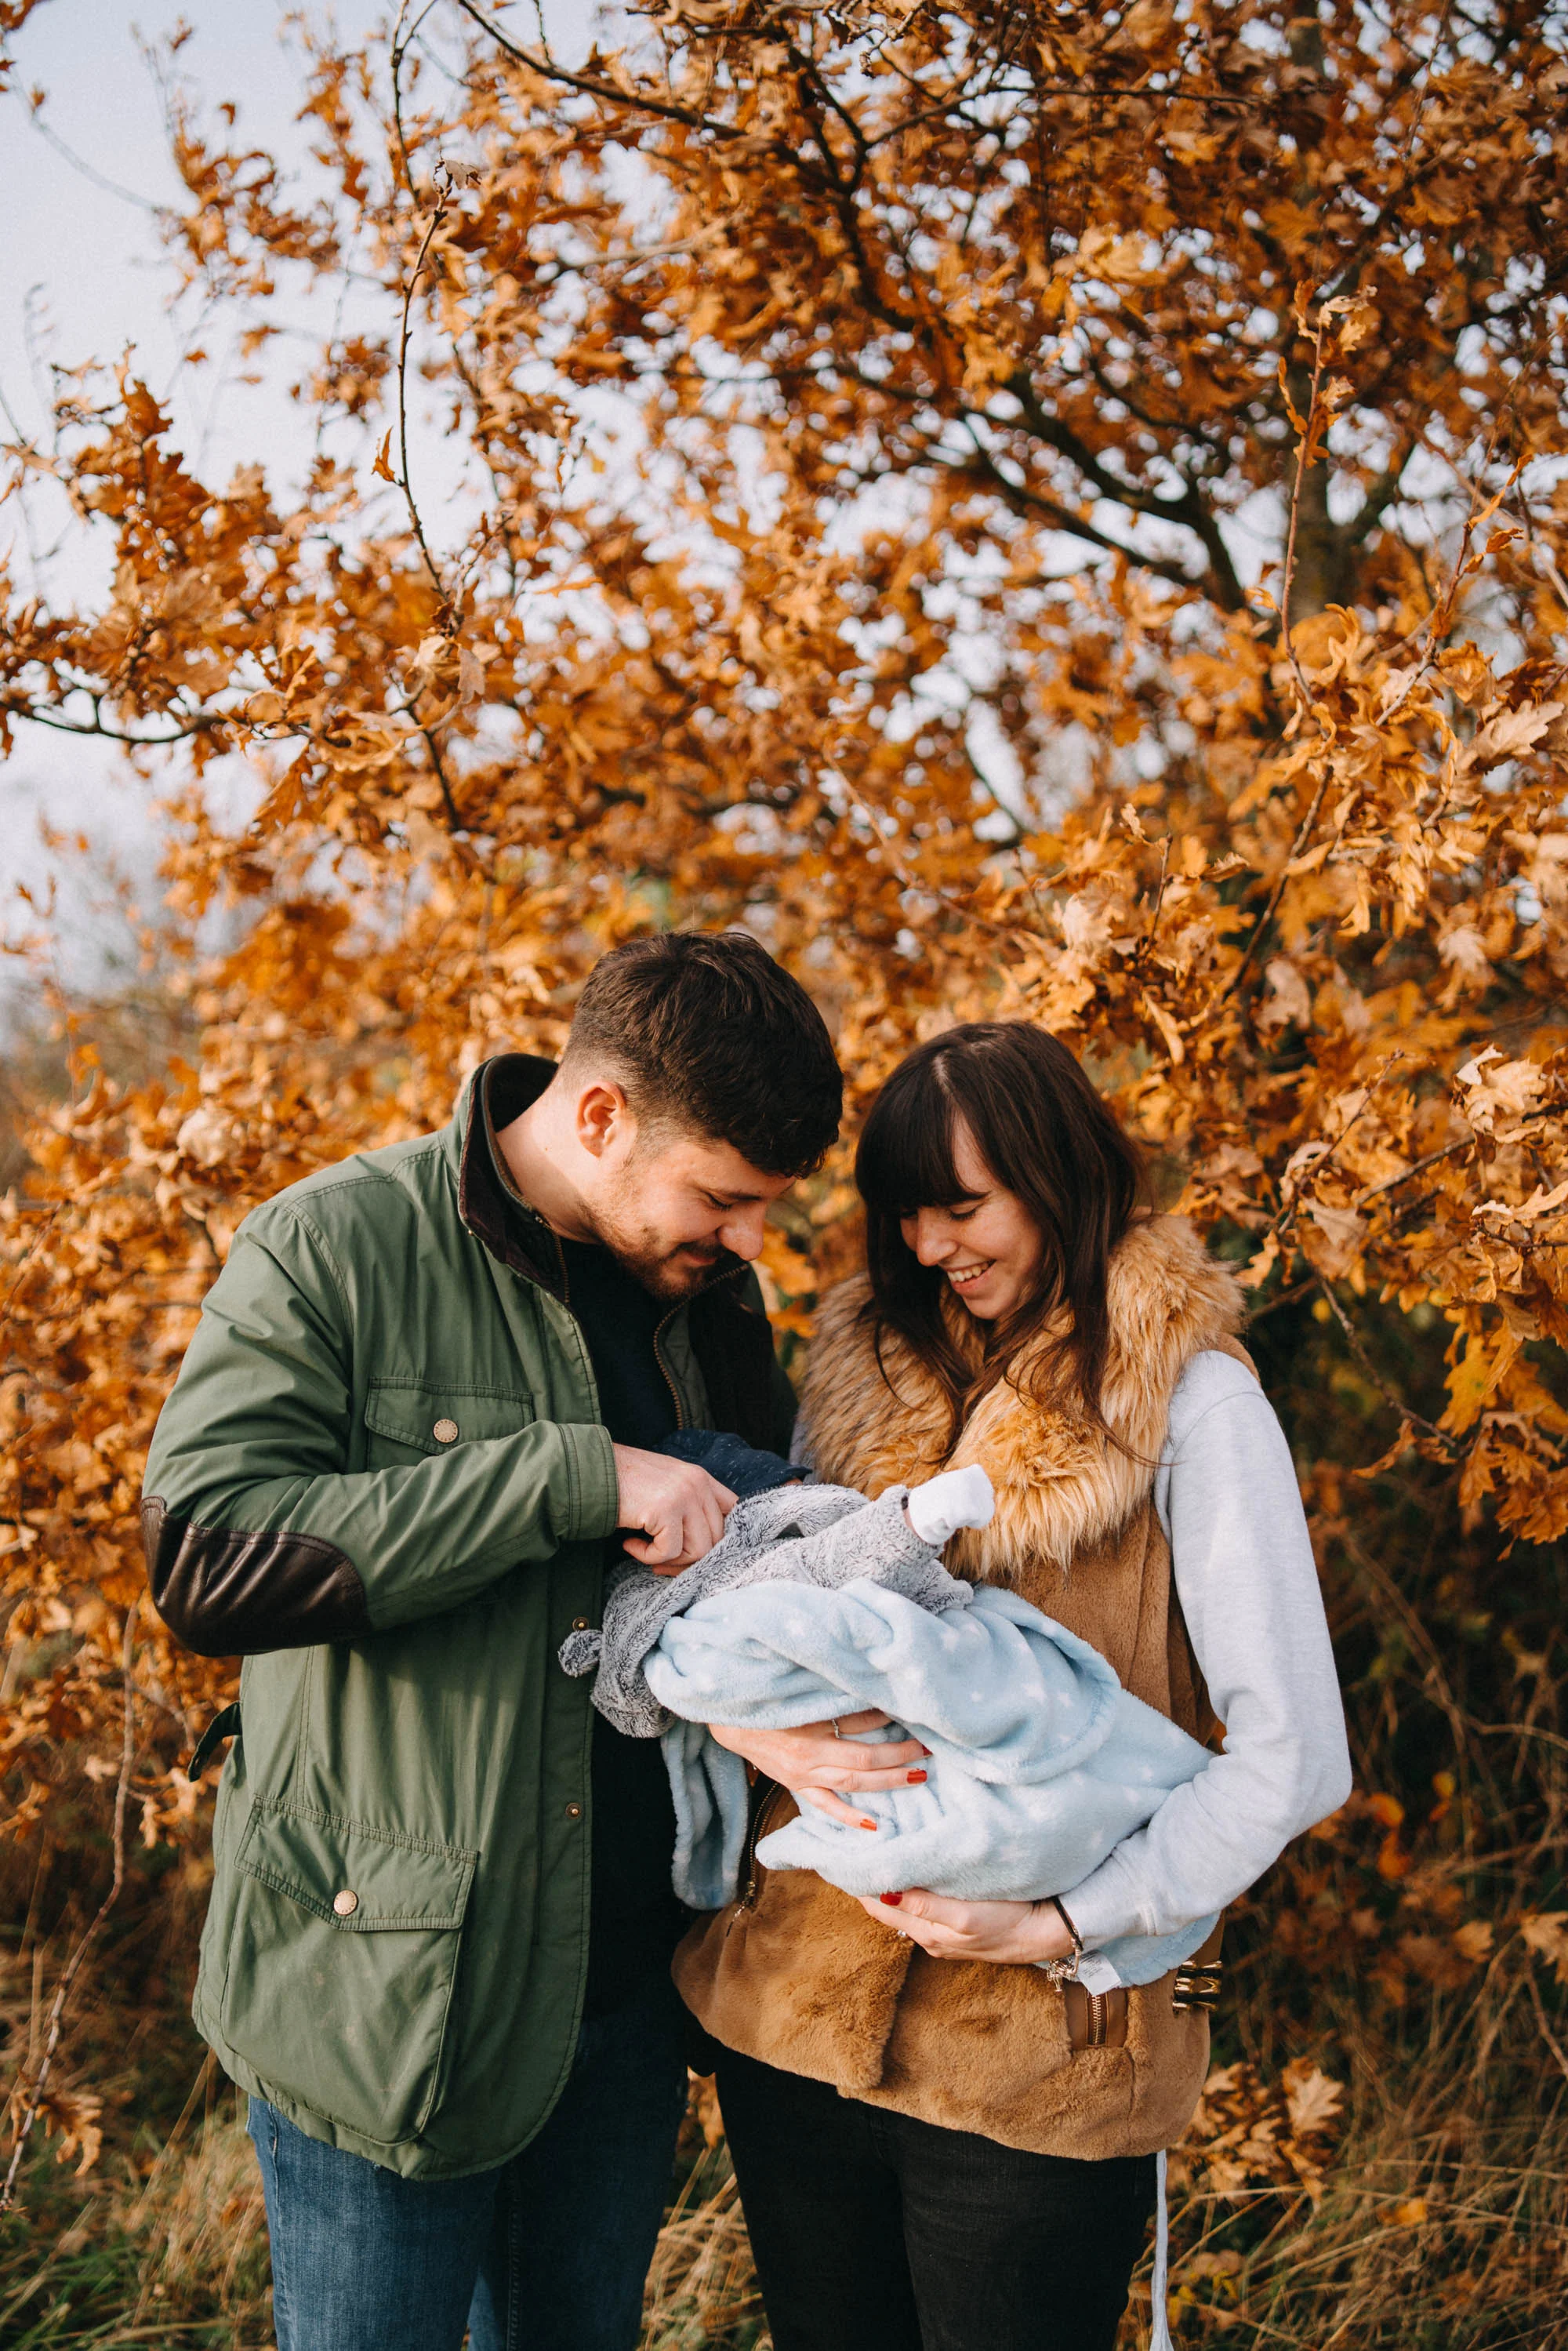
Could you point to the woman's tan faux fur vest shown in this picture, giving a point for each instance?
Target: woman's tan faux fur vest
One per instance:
(797, 1973)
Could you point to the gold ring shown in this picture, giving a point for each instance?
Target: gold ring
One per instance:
(837, 1732)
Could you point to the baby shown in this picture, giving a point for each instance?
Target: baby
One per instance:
(785, 1529)
(817, 1603)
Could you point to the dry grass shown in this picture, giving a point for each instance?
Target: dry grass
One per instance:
(1407, 2248)
(169, 2245)
(1428, 2235)
(160, 2238)
(202, 2222)
(1440, 2223)
(179, 2256)
(702, 2289)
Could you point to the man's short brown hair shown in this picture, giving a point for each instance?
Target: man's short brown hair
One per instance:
(707, 1031)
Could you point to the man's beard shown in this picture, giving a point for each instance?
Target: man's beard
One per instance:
(664, 1273)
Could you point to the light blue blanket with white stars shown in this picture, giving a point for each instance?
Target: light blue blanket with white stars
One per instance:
(1041, 1761)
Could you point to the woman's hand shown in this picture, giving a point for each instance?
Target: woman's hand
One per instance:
(1016, 1933)
(814, 1761)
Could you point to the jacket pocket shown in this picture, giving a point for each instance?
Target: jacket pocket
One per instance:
(407, 1419)
(341, 1960)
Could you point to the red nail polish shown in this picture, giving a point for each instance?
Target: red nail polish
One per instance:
(925, 1750)
(868, 1824)
(892, 1899)
(914, 1778)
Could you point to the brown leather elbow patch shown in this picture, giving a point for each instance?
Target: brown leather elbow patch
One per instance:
(227, 1594)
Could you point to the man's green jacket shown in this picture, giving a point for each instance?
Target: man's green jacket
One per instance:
(382, 1479)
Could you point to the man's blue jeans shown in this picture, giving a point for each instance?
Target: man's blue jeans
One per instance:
(547, 2254)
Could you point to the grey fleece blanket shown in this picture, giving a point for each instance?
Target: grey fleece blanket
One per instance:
(821, 1535)
(817, 1603)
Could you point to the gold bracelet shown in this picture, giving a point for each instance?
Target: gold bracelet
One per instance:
(1062, 1971)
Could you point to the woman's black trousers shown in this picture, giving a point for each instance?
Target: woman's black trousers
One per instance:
(874, 2230)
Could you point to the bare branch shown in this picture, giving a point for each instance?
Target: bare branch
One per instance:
(437, 215)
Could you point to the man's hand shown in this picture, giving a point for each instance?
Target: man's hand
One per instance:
(1016, 1933)
(677, 1508)
(814, 1761)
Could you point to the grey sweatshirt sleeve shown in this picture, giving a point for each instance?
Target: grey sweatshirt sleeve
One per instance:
(1228, 1502)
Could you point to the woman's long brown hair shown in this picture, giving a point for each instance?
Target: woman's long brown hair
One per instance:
(1045, 1135)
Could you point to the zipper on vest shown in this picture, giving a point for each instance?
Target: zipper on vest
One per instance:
(750, 1886)
(1099, 2018)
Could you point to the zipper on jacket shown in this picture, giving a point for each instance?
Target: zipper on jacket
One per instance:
(762, 1797)
(664, 1322)
(659, 1330)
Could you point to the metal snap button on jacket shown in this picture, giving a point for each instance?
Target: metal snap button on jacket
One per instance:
(574, 1812)
(346, 1903)
(445, 1432)
(580, 1624)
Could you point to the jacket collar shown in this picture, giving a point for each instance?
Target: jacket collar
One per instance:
(499, 1091)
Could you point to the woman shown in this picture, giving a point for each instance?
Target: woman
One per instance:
(943, 2142)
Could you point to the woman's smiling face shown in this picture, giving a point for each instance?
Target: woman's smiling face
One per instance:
(986, 1245)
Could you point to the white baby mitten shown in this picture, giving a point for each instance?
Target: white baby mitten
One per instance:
(958, 1498)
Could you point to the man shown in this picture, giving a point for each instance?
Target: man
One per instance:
(415, 1420)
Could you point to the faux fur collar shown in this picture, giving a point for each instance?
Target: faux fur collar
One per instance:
(1059, 1484)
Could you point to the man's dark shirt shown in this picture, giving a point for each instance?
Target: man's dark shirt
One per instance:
(620, 1319)
(634, 1919)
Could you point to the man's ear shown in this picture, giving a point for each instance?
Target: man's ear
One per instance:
(603, 1116)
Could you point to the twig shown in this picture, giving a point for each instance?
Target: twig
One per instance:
(436, 761)
(72, 1967)
(541, 63)
(1303, 459)
(1304, 834)
(1146, 942)
(200, 725)
(1392, 1183)
(1321, 1166)
(1288, 1209)
(79, 164)
(437, 215)
(1284, 1298)
(1517, 1730)
(1450, 1151)
(401, 43)
(1546, 2032)
(1553, 573)
(1353, 1340)
(1287, 584)
(445, 616)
